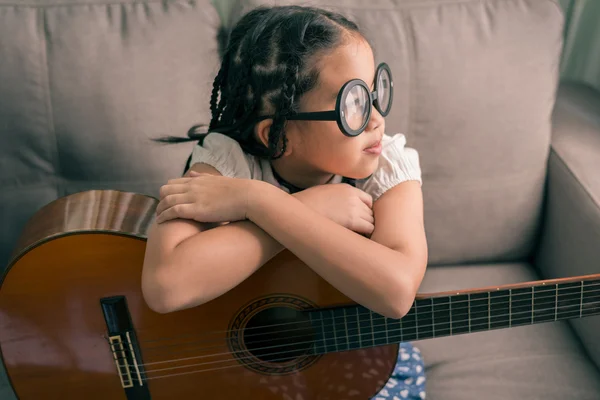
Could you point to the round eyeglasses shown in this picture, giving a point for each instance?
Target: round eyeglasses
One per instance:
(355, 103)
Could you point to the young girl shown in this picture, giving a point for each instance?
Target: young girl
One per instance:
(296, 157)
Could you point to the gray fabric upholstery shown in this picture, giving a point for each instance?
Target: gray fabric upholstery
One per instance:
(83, 89)
(84, 84)
(475, 99)
(536, 362)
(571, 239)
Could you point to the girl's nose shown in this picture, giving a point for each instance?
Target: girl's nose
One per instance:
(375, 121)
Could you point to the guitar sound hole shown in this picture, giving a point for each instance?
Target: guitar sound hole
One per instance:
(279, 334)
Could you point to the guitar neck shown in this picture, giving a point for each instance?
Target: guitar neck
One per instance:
(356, 327)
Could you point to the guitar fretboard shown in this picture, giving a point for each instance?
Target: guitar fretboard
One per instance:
(356, 327)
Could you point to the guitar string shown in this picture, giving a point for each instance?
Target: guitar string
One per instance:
(347, 336)
(343, 336)
(237, 364)
(309, 324)
(469, 304)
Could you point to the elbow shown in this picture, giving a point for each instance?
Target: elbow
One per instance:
(401, 299)
(396, 309)
(158, 293)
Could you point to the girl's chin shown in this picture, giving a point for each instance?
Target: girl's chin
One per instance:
(365, 172)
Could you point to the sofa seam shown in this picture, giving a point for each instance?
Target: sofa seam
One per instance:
(570, 171)
(42, 24)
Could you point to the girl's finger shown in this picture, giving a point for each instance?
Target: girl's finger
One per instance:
(366, 198)
(177, 211)
(364, 227)
(172, 200)
(368, 216)
(185, 179)
(172, 188)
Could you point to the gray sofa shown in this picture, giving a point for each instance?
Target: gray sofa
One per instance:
(511, 161)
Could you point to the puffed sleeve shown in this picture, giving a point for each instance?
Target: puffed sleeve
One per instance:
(224, 154)
(397, 163)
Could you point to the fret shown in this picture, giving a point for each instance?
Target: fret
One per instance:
(460, 314)
(387, 338)
(416, 320)
(328, 331)
(556, 304)
(489, 312)
(319, 332)
(372, 330)
(401, 330)
(358, 327)
(581, 301)
(450, 312)
(351, 318)
(340, 329)
(334, 330)
(441, 314)
(432, 319)
(499, 307)
(469, 310)
(379, 332)
(532, 303)
(521, 306)
(544, 299)
(365, 323)
(569, 300)
(509, 308)
(346, 329)
(409, 324)
(591, 301)
(394, 327)
(425, 318)
(479, 311)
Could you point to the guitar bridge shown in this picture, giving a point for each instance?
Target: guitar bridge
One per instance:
(125, 348)
(125, 360)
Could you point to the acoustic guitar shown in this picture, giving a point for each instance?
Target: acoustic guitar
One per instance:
(74, 325)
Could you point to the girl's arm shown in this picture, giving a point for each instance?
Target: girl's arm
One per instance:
(383, 273)
(183, 255)
(187, 263)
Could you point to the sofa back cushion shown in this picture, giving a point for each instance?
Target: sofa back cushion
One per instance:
(474, 88)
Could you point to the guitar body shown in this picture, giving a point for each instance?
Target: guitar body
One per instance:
(75, 280)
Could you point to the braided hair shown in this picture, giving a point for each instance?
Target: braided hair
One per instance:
(268, 64)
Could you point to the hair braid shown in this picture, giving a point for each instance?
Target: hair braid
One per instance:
(236, 93)
(217, 109)
(270, 61)
(277, 138)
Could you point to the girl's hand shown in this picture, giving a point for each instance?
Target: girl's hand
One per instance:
(343, 204)
(204, 198)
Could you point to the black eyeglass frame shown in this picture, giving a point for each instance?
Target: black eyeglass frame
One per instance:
(337, 114)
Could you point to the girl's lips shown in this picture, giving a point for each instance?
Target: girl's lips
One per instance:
(374, 149)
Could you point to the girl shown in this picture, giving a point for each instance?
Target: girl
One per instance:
(296, 157)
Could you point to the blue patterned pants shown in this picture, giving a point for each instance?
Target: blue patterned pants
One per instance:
(408, 378)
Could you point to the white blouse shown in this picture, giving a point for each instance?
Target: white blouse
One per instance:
(397, 163)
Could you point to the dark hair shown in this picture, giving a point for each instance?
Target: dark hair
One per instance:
(269, 62)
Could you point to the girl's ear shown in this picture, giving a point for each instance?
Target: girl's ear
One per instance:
(262, 131)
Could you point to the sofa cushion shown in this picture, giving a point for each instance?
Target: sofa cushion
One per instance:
(474, 87)
(569, 244)
(542, 361)
(85, 85)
